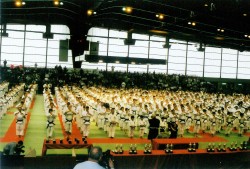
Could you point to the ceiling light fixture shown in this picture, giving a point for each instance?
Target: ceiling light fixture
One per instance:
(192, 23)
(127, 9)
(160, 16)
(247, 36)
(90, 12)
(56, 2)
(19, 3)
(220, 30)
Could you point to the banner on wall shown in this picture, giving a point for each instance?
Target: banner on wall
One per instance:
(63, 50)
(94, 48)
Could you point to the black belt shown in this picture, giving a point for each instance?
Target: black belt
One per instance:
(68, 120)
(19, 120)
(50, 123)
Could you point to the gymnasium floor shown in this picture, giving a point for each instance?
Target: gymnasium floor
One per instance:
(35, 133)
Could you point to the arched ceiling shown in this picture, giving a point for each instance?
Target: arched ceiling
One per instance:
(233, 16)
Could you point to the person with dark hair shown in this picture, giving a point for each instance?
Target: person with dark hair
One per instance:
(94, 157)
(154, 125)
(13, 148)
(20, 117)
(173, 128)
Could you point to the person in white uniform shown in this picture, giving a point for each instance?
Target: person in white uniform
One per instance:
(20, 116)
(51, 115)
(86, 115)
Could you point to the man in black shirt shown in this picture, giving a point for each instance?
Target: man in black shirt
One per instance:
(154, 125)
(173, 128)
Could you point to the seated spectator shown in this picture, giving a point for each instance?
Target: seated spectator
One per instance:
(94, 158)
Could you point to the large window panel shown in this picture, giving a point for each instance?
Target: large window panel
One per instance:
(61, 37)
(60, 29)
(157, 51)
(139, 50)
(12, 59)
(158, 69)
(229, 63)
(177, 57)
(244, 65)
(117, 48)
(53, 54)
(117, 67)
(93, 66)
(117, 34)
(212, 62)
(15, 27)
(102, 44)
(37, 28)
(140, 36)
(12, 46)
(98, 32)
(137, 68)
(195, 61)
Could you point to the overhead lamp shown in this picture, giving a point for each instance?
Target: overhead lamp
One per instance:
(57, 2)
(127, 9)
(19, 3)
(219, 38)
(160, 16)
(247, 36)
(244, 14)
(90, 12)
(192, 23)
(220, 30)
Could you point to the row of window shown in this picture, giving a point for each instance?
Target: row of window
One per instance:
(26, 46)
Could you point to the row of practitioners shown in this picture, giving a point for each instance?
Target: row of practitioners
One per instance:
(50, 108)
(106, 118)
(23, 106)
(10, 96)
(84, 108)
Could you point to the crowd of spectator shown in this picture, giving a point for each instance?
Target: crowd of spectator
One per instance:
(59, 76)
